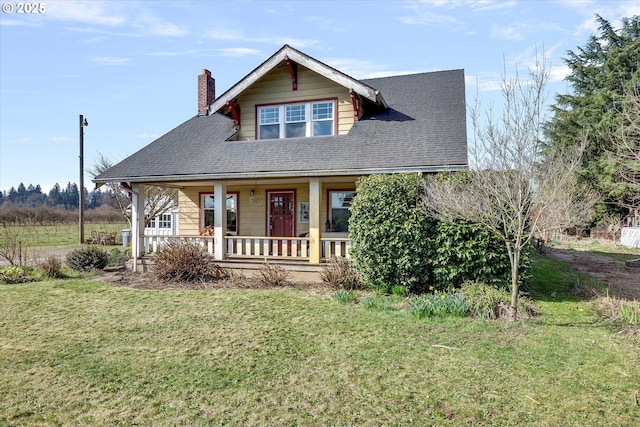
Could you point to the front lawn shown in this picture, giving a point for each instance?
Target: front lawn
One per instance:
(78, 352)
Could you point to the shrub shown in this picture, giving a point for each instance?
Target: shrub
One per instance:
(469, 252)
(13, 274)
(489, 303)
(51, 266)
(390, 234)
(117, 257)
(88, 258)
(271, 275)
(183, 261)
(396, 243)
(339, 273)
(344, 296)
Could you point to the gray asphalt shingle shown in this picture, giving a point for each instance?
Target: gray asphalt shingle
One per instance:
(424, 127)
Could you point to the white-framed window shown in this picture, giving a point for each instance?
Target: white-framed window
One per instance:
(296, 120)
(164, 220)
(339, 210)
(207, 203)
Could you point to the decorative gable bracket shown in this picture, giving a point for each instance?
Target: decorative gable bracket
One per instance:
(355, 101)
(293, 70)
(235, 112)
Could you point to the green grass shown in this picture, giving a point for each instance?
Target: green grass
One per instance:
(78, 352)
(59, 236)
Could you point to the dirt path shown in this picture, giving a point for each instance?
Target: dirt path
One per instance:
(624, 281)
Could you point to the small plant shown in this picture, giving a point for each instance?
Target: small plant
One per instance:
(236, 279)
(51, 266)
(490, 303)
(377, 302)
(183, 261)
(88, 258)
(343, 296)
(339, 273)
(399, 290)
(117, 257)
(271, 275)
(13, 274)
(422, 306)
(438, 304)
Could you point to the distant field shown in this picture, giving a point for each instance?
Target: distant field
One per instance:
(58, 236)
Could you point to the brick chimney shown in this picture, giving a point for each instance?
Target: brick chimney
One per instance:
(206, 92)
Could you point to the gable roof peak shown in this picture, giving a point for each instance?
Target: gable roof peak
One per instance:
(287, 52)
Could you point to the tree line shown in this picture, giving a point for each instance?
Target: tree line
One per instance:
(58, 197)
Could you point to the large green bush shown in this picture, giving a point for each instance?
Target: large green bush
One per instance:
(390, 234)
(466, 251)
(395, 243)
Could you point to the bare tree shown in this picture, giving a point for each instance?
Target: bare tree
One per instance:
(506, 189)
(158, 199)
(572, 207)
(624, 155)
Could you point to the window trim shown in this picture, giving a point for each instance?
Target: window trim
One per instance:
(308, 119)
(201, 209)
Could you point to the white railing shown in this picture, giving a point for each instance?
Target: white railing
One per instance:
(335, 246)
(152, 242)
(258, 246)
(265, 247)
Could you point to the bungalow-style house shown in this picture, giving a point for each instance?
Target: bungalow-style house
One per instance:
(267, 170)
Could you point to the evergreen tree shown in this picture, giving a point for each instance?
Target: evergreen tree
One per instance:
(602, 71)
(55, 196)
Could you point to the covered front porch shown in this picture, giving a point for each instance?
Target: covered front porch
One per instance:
(300, 220)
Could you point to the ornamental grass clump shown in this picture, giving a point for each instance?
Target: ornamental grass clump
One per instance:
(88, 258)
(490, 303)
(339, 273)
(183, 261)
(51, 266)
(271, 276)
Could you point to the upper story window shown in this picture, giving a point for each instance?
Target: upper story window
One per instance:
(296, 120)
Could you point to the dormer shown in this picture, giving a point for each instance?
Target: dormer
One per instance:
(292, 95)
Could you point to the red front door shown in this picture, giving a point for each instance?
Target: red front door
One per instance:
(281, 216)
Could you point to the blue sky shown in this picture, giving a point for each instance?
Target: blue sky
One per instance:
(131, 67)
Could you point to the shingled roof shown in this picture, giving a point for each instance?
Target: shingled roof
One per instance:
(423, 129)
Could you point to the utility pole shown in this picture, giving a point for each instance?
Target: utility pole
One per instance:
(83, 123)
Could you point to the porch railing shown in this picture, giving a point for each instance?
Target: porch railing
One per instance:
(258, 246)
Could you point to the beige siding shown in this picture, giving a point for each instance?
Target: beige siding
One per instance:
(276, 87)
(252, 211)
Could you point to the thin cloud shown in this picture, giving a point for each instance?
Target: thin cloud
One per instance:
(190, 52)
(224, 34)
(364, 69)
(239, 51)
(111, 60)
(62, 139)
(88, 12)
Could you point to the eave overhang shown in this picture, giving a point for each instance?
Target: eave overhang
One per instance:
(282, 174)
(288, 54)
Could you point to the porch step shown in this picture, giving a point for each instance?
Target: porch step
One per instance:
(299, 271)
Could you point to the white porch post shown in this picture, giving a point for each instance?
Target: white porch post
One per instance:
(219, 219)
(315, 227)
(137, 223)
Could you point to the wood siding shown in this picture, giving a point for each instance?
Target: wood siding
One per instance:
(276, 87)
(252, 210)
